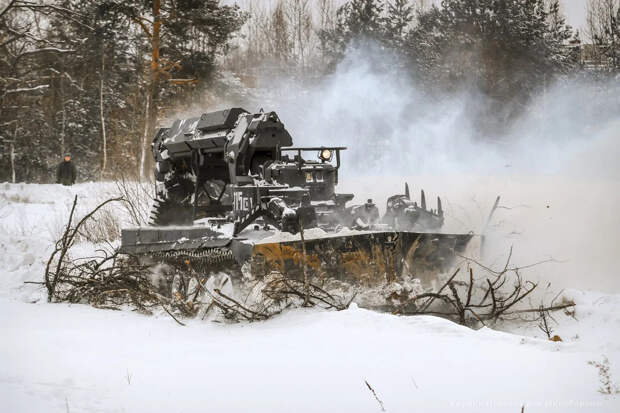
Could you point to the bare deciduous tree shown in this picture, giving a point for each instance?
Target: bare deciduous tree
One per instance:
(603, 30)
(299, 16)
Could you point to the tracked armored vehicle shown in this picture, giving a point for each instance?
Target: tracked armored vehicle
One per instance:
(234, 193)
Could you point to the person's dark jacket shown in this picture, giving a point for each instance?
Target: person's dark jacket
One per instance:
(66, 173)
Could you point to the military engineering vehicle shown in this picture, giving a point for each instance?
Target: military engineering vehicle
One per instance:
(233, 191)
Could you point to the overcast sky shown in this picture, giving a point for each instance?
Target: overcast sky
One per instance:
(575, 11)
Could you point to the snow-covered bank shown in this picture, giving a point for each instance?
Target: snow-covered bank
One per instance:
(31, 220)
(56, 356)
(59, 358)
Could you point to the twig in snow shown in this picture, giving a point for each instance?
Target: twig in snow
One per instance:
(170, 314)
(543, 325)
(374, 393)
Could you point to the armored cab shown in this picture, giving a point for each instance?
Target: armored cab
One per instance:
(230, 162)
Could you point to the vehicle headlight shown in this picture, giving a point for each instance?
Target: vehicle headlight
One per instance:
(325, 154)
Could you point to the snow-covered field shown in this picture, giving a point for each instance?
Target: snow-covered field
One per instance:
(75, 358)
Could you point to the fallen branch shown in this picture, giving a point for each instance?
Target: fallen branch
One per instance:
(498, 300)
(441, 289)
(171, 315)
(62, 247)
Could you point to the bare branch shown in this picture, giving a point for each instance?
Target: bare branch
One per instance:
(7, 8)
(429, 302)
(46, 50)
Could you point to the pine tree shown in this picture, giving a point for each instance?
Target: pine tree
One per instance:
(505, 47)
(398, 21)
(559, 35)
(364, 18)
(356, 20)
(183, 39)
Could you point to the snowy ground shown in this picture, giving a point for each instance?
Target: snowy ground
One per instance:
(74, 358)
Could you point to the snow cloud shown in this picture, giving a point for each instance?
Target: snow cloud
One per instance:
(555, 167)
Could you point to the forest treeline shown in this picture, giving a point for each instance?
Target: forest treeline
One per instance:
(95, 77)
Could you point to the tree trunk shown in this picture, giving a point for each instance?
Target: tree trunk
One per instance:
(144, 138)
(64, 119)
(102, 118)
(12, 155)
(151, 102)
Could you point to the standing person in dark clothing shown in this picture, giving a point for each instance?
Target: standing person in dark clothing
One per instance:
(66, 172)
